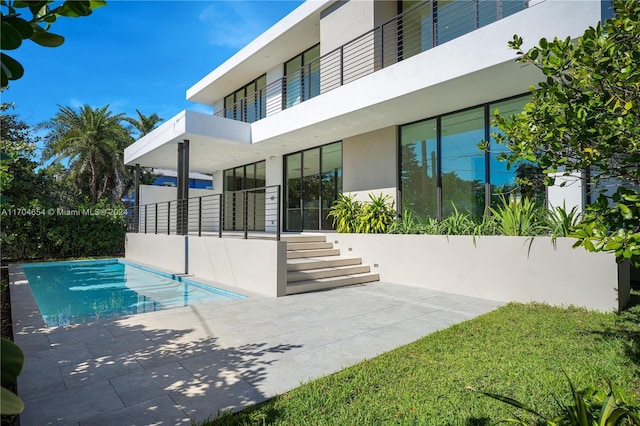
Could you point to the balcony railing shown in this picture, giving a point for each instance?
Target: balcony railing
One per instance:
(247, 213)
(424, 26)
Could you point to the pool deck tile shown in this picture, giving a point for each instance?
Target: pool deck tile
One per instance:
(157, 411)
(168, 367)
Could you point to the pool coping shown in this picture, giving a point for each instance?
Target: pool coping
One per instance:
(172, 366)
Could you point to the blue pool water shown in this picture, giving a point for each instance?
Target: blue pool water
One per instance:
(85, 291)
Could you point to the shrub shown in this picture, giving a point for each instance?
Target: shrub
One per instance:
(521, 217)
(376, 215)
(56, 234)
(345, 212)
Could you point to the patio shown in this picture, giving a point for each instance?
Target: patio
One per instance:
(169, 367)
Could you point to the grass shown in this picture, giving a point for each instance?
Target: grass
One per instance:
(522, 351)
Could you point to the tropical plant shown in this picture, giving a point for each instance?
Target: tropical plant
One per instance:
(431, 226)
(519, 217)
(590, 407)
(345, 212)
(409, 223)
(92, 141)
(376, 215)
(16, 28)
(585, 115)
(143, 124)
(11, 362)
(613, 226)
(562, 223)
(486, 226)
(457, 223)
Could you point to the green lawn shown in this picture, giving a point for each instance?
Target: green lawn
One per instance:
(518, 350)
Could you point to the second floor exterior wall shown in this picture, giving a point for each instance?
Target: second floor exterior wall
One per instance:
(357, 38)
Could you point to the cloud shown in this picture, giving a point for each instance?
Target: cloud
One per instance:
(234, 24)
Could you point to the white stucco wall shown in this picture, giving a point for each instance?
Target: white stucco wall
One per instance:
(166, 252)
(495, 267)
(255, 265)
(259, 266)
(344, 21)
(370, 164)
(474, 68)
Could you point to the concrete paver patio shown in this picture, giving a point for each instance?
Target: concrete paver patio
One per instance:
(169, 367)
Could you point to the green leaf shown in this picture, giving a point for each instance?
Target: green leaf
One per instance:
(12, 360)
(75, 9)
(11, 69)
(46, 39)
(10, 37)
(23, 27)
(10, 404)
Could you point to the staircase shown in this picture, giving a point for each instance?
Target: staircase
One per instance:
(313, 264)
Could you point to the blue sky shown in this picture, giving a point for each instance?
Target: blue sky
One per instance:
(136, 55)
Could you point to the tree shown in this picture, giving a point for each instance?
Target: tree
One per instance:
(19, 182)
(144, 124)
(92, 141)
(585, 115)
(16, 28)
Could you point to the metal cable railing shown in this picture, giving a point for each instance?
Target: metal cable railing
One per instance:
(420, 28)
(247, 213)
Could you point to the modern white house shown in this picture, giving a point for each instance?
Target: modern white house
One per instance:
(349, 96)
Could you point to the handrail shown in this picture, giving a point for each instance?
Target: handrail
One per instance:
(414, 31)
(248, 212)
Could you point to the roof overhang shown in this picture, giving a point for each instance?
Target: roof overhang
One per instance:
(212, 141)
(294, 33)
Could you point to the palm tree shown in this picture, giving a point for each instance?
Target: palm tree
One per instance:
(92, 141)
(144, 124)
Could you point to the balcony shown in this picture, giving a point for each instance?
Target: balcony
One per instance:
(420, 28)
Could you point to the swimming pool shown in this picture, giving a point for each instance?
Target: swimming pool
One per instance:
(84, 291)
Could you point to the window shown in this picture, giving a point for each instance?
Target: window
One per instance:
(503, 181)
(313, 181)
(462, 162)
(418, 175)
(248, 103)
(426, 24)
(245, 184)
(302, 77)
(441, 165)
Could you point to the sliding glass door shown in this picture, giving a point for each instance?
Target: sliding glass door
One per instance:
(313, 182)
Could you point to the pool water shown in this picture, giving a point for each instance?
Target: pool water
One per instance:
(85, 291)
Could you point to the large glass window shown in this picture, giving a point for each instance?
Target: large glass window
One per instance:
(249, 103)
(463, 174)
(313, 181)
(441, 165)
(416, 29)
(429, 23)
(418, 176)
(249, 179)
(503, 180)
(331, 180)
(302, 77)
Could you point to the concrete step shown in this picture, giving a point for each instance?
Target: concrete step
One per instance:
(328, 283)
(315, 274)
(305, 264)
(312, 253)
(303, 238)
(308, 245)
